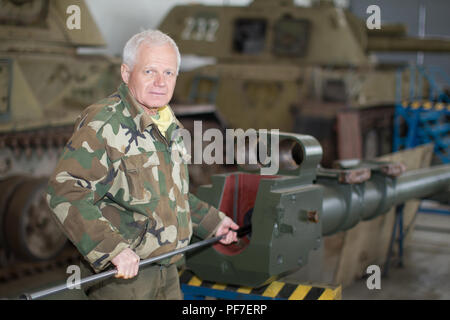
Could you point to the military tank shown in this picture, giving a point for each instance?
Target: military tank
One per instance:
(45, 84)
(300, 69)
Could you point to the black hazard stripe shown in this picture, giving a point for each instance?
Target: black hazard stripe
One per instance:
(185, 277)
(287, 290)
(314, 293)
(276, 289)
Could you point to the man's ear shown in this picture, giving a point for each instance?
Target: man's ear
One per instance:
(125, 72)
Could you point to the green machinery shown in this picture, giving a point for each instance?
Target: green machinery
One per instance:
(291, 211)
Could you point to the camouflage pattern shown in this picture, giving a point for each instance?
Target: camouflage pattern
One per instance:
(121, 184)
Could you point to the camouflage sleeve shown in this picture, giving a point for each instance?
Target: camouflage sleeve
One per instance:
(83, 176)
(205, 218)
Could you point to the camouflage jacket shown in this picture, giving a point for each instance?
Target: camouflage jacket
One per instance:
(117, 185)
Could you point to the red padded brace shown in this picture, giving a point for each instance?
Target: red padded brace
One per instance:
(248, 185)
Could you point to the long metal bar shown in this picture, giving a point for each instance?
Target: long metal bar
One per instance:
(107, 274)
(235, 198)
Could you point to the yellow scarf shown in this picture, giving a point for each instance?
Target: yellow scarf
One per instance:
(163, 119)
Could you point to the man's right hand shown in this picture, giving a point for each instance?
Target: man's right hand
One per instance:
(127, 264)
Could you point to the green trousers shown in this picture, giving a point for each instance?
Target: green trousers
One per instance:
(153, 282)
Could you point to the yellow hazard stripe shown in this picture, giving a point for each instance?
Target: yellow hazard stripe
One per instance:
(196, 282)
(219, 286)
(273, 289)
(300, 293)
(245, 290)
(329, 294)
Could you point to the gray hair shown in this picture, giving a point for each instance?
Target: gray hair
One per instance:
(150, 37)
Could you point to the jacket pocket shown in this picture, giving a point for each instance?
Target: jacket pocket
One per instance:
(141, 174)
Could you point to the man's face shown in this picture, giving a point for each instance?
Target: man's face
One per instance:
(153, 77)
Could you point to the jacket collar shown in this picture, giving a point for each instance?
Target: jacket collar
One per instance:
(139, 116)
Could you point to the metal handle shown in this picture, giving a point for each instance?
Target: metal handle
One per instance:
(103, 275)
(107, 274)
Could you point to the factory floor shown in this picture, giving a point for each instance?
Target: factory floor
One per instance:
(426, 265)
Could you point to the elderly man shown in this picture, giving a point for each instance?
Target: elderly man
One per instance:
(119, 192)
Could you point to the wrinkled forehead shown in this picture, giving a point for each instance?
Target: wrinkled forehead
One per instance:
(164, 54)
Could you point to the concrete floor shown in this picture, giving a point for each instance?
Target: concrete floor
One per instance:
(426, 265)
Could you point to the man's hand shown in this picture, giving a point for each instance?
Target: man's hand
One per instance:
(127, 264)
(226, 227)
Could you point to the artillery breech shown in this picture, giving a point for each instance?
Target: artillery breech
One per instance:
(345, 206)
(293, 210)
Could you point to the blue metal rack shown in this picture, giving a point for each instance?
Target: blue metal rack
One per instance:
(419, 121)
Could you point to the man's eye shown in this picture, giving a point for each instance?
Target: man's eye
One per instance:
(169, 73)
(148, 71)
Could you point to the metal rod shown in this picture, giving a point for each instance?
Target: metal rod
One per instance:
(235, 197)
(107, 274)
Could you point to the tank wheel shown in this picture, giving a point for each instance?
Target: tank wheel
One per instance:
(30, 230)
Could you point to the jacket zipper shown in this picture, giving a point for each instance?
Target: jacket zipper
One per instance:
(164, 140)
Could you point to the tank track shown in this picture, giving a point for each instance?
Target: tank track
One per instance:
(38, 139)
(21, 269)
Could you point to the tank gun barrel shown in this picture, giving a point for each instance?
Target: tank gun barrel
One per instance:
(393, 37)
(344, 208)
(407, 44)
(272, 2)
(422, 183)
(291, 211)
(389, 30)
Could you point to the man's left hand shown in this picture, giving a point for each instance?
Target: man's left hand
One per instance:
(226, 227)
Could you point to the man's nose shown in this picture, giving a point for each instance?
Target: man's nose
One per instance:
(159, 80)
